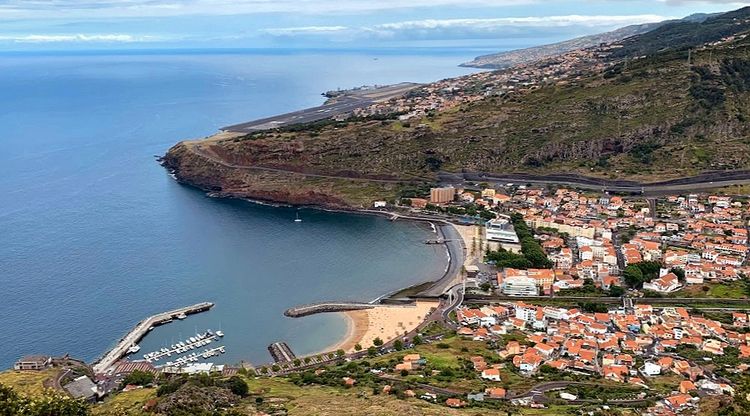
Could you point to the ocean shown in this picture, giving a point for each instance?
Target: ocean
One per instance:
(95, 235)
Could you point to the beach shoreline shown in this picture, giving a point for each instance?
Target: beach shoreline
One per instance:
(389, 322)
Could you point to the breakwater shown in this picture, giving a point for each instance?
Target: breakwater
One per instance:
(305, 310)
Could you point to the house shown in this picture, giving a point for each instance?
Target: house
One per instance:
(651, 369)
(33, 362)
(713, 346)
(476, 397)
(495, 392)
(686, 386)
(406, 366)
(679, 401)
(82, 388)
(452, 402)
(665, 284)
(492, 374)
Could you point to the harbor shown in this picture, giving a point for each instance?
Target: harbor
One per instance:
(128, 344)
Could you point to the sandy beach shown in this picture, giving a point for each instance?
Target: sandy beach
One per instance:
(383, 321)
(473, 240)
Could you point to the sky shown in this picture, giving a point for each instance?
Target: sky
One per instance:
(336, 24)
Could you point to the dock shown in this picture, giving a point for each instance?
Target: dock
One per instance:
(281, 352)
(139, 331)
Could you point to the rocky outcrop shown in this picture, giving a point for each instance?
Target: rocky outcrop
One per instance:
(192, 168)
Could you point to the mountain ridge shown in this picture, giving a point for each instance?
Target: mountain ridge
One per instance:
(507, 59)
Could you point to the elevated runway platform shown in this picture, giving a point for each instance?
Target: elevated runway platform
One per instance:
(341, 105)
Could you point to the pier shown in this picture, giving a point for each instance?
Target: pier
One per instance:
(281, 352)
(140, 330)
(304, 310)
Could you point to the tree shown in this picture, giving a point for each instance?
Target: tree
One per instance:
(616, 291)
(237, 386)
(633, 276)
(593, 307)
(138, 378)
(357, 347)
(417, 340)
(680, 273)
(398, 345)
(372, 351)
(404, 373)
(377, 342)
(340, 353)
(47, 404)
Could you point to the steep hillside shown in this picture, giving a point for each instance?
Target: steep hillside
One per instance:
(650, 118)
(521, 56)
(686, 34)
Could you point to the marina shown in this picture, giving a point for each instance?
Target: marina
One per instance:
(128, 344)
(190, 344)
(206, 354)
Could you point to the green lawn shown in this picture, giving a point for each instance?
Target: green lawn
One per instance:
(729, 290)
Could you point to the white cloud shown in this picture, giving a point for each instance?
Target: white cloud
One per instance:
(304, 30)
(114, 38)
(449, 28)
(546, 21)
(148, 8)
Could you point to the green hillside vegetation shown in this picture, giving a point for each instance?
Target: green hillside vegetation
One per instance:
(649, 118)
(684, 34)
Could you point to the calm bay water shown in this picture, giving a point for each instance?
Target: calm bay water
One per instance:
(94, 235)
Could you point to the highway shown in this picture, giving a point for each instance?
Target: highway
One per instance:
(709, 180)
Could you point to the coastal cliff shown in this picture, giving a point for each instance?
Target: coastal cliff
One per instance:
(193, 167)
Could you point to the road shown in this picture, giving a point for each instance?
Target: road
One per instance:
(690, 184)
(457, 252)
(729, 303)
(707, 180)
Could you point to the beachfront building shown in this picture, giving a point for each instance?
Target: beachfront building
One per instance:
(520, 286)
(501, 230)
(33, 362)
(442, 195)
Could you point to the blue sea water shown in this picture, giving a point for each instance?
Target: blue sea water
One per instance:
(95, 235)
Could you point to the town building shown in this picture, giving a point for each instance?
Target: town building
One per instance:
(442, 195)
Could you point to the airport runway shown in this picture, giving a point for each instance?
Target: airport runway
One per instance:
(342, 105)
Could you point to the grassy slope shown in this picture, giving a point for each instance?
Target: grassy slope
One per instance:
(27, 382)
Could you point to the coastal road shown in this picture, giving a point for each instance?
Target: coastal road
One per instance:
(709, 180)
(457, 252)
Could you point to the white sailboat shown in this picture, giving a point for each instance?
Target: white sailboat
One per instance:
(298, 219)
